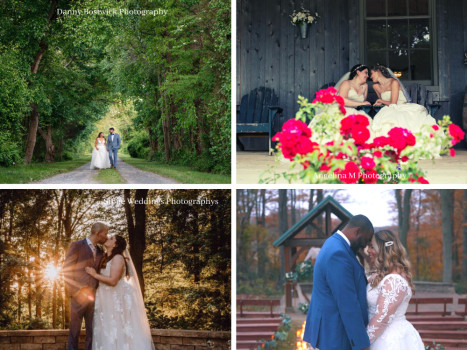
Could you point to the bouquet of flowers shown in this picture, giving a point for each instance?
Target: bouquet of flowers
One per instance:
(338, 149)
(303, 16)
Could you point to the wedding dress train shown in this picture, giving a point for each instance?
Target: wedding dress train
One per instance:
(405, 115)
(388, 328)
(120, 320)
(100, 156)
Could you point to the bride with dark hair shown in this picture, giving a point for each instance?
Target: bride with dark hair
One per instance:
(100, 155)
(397, 110)
(353, 88)
(120, 320)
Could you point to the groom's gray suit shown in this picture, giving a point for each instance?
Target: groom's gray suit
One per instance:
(82, 289)
(113, 144)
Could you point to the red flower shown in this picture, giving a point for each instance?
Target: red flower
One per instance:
(324, 167)
(400, 138)
(370, 177)
(381, 141)
(295, 139)
(404, 158)
(378, 154)
(452, 152)
(422, 180)
(329, 95)
(367, 163)
(355, 126)
(435, 127)
(456, 133)
(350, 174)
(360, 135)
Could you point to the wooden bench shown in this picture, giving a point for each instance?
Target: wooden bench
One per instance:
(462, 301)
(256, 115)
(257, 302)
(430, 301)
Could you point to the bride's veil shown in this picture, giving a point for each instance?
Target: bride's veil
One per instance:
(404, 91)
(138, 317)
(341, 80)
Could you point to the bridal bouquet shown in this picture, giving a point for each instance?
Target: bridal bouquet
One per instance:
(303, 16)
(339, 150)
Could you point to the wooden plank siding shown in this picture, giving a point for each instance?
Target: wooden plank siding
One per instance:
(271, 53)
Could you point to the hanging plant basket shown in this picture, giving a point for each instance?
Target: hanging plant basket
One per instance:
(303, 19)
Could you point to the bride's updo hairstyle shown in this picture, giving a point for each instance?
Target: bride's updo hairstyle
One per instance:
(120, 246)
(392, 256)
(357, 67)
(384, 71)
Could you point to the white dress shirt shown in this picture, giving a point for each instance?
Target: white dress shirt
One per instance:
(343, 236)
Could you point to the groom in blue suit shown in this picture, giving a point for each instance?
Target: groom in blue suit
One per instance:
(113, 144)
(338, 313)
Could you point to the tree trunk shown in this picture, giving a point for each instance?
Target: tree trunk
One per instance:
(447, 205)
(34, 116)
(319, 198)
(283, 216)
(137, 230)
(32, 133)
(49, 146)
(403, 208)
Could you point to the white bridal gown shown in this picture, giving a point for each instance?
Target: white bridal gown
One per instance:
(120, 320)
(354, 96)
(100, 157)
(387, 304)
(405, 115)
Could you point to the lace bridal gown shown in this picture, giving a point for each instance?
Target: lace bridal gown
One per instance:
(388, 328)
(405, 115)
(120, 320)
(100, 157)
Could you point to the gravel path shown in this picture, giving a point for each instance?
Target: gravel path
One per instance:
(83, 175)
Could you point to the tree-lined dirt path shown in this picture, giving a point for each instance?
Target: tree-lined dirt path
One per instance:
(83, 175)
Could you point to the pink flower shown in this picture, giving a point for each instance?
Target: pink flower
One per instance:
(400, 138)
(295, 139)
(435, 127)
(452, 153)
(367, 163)
(422, 180)
(381, 141)
(404, 159)
(456, 133)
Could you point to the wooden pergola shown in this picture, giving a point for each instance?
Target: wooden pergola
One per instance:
(291, 245)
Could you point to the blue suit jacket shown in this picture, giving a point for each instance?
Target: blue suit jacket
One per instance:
(115, 144)
(338, 315)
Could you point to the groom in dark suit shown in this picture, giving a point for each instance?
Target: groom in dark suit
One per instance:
(81, 286)
(338, 313)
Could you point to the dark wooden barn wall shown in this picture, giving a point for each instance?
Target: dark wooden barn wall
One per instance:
(271, 53)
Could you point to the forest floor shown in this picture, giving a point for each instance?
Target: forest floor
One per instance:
(446, 170)
(128, 174)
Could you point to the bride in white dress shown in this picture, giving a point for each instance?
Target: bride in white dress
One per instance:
(353, 88)
(120, 320)
(398, 111)
(388, 294)
(100, 155)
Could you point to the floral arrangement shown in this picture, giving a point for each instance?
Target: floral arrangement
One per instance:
(303, 16)
(338, 149)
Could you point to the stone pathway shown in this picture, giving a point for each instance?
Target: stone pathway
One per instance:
(83, 175)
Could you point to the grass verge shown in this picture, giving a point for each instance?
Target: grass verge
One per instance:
(109, 176)
(180, 173)
(24, 173)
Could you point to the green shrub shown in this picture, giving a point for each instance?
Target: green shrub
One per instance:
(461, 287)
(138, 147)
(10, 153)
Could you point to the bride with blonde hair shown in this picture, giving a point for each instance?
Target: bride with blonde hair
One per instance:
(389, 291)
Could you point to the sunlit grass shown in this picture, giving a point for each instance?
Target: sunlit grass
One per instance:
(180, 173)
(22, 173)
(109, 176)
